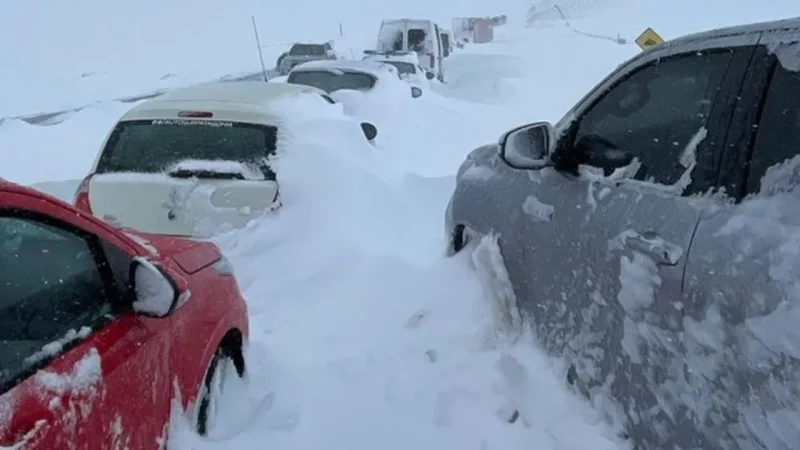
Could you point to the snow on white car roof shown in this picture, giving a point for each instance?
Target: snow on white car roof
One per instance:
(409, 57)
(243, 101)
(375, 68)
(247, 92)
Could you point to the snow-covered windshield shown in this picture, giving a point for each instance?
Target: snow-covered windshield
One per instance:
(151, 146)
(405, 68)
(330, 81)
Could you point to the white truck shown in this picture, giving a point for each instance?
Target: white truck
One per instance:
(421, 36)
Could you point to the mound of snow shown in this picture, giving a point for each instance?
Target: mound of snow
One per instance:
(362, 337)
(65, 151)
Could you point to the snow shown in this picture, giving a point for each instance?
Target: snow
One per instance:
(639, 282)
(84, 375)
(26, 438)
(143, 242)
(54, 348)
(31, 153)
(155, 295)
(362, 335)
(789, 56)
(219, 166)
(538, 210)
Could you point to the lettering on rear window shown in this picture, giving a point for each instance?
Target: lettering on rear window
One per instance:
(202, 123)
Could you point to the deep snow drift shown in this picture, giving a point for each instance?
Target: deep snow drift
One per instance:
(364, 336)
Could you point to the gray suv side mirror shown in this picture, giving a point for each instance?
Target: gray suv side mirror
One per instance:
(528, 146)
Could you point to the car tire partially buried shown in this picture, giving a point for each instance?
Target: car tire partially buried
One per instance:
(225, 361)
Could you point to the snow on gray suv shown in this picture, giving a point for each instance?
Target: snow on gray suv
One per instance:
(652, 238)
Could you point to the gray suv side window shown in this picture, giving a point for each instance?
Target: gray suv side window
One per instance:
(778, 138)
(654, 112)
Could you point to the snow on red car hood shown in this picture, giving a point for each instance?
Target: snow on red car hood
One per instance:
(189, 254)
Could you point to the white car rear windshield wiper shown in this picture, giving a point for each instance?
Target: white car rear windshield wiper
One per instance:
(207, 174)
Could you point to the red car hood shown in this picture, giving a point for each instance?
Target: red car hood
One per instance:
(189, 254)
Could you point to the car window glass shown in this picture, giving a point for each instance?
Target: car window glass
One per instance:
(50, 288)
(403, 68)
(151, 146)
(778, 138)
(416, 39)
(330, 81)
(655, 112)
(307, 50)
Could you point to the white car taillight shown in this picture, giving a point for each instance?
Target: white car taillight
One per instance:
(81, 199)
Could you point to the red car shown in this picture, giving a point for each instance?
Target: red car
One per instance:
(100, 328)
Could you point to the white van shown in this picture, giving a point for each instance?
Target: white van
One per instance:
(418, 35)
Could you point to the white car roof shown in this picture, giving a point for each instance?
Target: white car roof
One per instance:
(410, 21)
(409, 57)
(376, 68)
(240, 101)
(246, 92)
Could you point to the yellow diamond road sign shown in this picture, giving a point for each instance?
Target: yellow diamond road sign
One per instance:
(648, 39)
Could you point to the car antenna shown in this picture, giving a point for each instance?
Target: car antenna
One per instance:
(260, 55)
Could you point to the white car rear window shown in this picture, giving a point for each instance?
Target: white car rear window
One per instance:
(152, 146)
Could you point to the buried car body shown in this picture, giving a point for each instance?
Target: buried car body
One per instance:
(103, 328)
(197, 160)
(651, 238)
(364, 76)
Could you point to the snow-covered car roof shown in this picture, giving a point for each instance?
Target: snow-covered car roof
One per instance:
(247, 92)
(409, 57)
(246, 101)
(376, 68)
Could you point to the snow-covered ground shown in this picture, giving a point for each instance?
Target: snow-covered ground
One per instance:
(362, 335)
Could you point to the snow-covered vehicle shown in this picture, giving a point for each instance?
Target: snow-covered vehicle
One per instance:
(365, 76)
(103, 329)
(406, 63)
(479, 30)
(304, 52)
(421, 36)
(195, 160)
(652, 235)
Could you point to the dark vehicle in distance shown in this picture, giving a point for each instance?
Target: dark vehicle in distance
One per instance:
(304, 52)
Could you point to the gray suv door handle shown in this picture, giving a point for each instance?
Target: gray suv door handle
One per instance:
(651, 244)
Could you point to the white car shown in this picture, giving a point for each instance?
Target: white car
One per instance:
(365, 76)
(406, 63)
(195, 160)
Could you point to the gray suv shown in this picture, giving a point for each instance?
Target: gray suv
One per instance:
(300, 53)
(652, 238)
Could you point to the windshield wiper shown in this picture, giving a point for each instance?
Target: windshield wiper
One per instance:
(205, 174)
